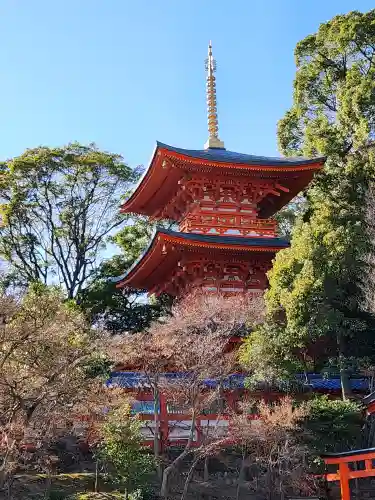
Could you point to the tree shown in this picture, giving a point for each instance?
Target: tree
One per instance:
(121, 447)
(123, 310)
(119, 310)
(134, 238)
(45, 345)
(59, 207)
(315, 303)
(272, 445)
(193, 341)
(202, 355)
(288, 215)
(332, 425)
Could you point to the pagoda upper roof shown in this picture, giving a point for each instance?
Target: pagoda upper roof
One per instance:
(221, 155)
(154, 264)
(160, 182)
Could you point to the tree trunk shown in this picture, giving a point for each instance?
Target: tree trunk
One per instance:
(9, 486)
(168, 471)
(241, 475)
(96, 477)
(175, 464)
(159, 469)
(189, 478)
(48, 485)
(2, 479)
(206, 473)
(344, 376)
(345, 384)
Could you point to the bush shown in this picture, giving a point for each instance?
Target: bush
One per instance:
(333, 425)
(122, 451)
(115, 495)
(97, 496)
(56, 495)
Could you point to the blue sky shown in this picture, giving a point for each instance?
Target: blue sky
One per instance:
(124, 73)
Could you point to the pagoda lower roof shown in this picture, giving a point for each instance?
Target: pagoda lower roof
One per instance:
(156, 263)
(169, 165)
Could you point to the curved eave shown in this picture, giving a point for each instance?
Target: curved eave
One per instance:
(224, 157)
(168, 165)
(369, 399)
(153, 256)
(119, 280)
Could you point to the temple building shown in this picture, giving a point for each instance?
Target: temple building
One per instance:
(223, 203)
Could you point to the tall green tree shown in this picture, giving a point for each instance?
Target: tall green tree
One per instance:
(59, 207)
(315, 302)
(286, 217)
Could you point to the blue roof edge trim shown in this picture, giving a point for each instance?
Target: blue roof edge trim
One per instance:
(133, 380)
(232, 240)
(350, 453)
(225, 156)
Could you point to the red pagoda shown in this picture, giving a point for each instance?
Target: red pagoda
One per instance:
(223, 203)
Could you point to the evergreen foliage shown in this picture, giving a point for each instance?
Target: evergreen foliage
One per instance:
(59, 207)
(333, 425)
(315, 302)
(123, 310)
(122, 449)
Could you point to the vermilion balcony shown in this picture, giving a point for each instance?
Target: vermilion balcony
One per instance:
(228, 224)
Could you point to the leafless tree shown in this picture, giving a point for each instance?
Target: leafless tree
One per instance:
(272, 444)
(194, 340)
(44, 344)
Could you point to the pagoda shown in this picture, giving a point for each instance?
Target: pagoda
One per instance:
(223, 203)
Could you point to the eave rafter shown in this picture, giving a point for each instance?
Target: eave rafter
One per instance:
(173, 262)
(160, 182)
(212, 191)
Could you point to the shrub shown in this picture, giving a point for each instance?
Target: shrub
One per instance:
(122, 450)
(333, 425)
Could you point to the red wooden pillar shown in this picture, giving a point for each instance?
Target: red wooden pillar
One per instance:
(198, 429)
(344, 481)
(231, 398)
(343, 473)
(164, 422)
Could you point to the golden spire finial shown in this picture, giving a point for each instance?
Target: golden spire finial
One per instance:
(213, 125)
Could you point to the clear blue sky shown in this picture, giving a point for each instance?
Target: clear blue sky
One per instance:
(124, 73)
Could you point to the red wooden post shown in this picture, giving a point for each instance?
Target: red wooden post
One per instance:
(232, 398)
(344, 481)
(164, 422)
(344, 474)
(198, 428)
